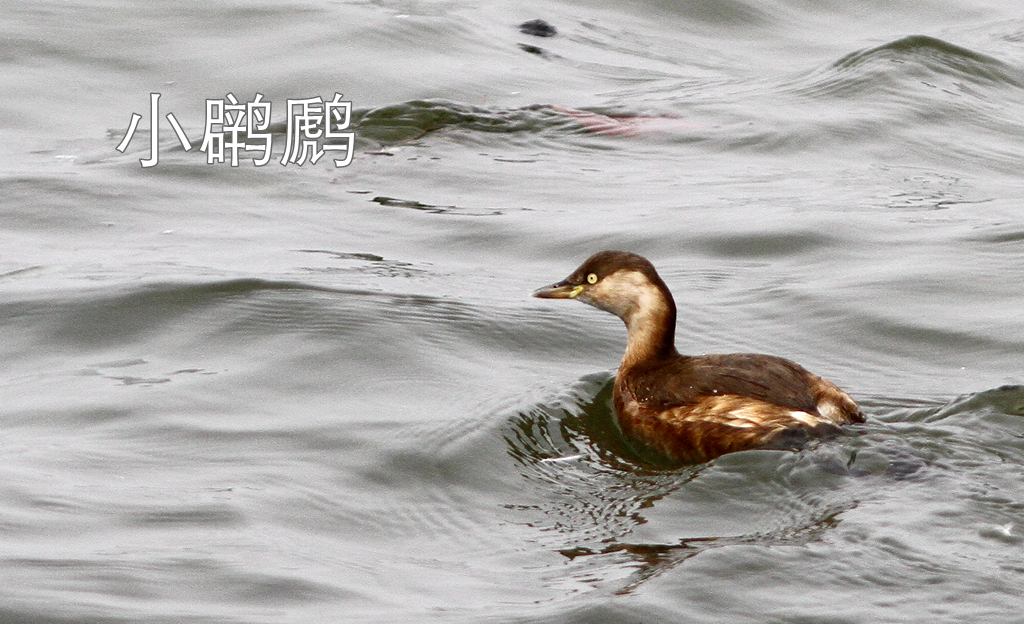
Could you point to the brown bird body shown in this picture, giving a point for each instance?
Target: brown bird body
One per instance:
(692, 409)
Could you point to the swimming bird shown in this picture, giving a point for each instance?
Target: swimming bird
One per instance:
(694, 408)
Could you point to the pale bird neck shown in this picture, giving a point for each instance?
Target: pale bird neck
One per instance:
(651, 327)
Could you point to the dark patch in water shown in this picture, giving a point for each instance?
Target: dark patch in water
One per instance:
(431, 208)
(407, 121)
(538, 28)
(341, 255)
(535, 50)
(377, 265)
(770, 245)
(218, 516)
(140, 381)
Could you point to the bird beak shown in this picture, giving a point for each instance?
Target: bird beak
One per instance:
(561, 290)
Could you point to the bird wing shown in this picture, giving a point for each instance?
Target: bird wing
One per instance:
(767, 378)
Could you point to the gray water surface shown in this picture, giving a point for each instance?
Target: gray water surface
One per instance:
(319, 394)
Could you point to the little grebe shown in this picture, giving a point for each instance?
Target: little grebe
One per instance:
(692, 409)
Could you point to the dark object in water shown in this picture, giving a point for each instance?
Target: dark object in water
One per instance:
(532, 49)
(538, 28)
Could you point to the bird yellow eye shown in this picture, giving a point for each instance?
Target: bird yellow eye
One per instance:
(592, 278)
